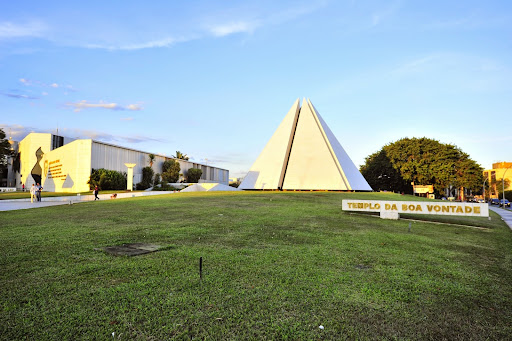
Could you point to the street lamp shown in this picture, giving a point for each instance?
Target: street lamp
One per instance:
(503, 185)
(483, 186)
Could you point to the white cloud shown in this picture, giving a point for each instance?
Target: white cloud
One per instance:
(234, 27)
(126, 118)
(31, 82)
(18, 133)
(415, 65)
(12, 30)
(164, 42)
(79, 106)
(17, 95)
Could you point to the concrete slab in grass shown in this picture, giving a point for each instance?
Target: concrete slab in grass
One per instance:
(133, 249)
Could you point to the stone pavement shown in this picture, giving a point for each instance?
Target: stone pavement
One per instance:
(21, 204)
(506, 214)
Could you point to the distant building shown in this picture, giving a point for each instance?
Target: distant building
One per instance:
(495, 175)
(63, 164)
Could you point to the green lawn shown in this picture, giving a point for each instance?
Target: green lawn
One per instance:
(276, 266)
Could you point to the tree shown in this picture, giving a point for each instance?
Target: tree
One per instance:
(147, 178)
(181, 156)
(151, 159)
(156, 180)
(422, 161)
(497, 186)
(171, 171)
(381, 175)
(193, 175)
(107, 179)
(5, 151)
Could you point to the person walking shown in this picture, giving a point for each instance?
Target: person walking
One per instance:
(32, 193)
(39, 189)
(96, 191)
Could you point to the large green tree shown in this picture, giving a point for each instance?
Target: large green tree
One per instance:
(422, 161)
(5, 151)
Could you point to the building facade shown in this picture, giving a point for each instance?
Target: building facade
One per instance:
(62, 164)
(494, 176)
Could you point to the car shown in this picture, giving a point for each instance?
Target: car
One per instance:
(504, 202)
(481, 201)
(494, 201)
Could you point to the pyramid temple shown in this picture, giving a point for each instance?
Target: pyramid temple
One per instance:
(304, 154)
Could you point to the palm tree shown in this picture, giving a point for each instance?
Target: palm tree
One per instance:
(151, 159)
(181, 156)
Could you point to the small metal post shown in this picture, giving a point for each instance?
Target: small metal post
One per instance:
(410, 226)
(201, 268)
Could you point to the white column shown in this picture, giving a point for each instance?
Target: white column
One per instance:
(129, 182)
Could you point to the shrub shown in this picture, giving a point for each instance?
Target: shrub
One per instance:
(171, 171)
(193, 175)
(156, 181)
(164, 186)
(107, 179)
(147, 178)
(508, 195)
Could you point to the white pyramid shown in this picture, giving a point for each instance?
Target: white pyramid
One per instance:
(303, 154)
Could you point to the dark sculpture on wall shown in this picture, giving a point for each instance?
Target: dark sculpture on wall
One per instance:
(37, 170)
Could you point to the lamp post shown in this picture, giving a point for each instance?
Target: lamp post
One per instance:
(503, 185)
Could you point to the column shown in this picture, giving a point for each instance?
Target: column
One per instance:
(129, 182)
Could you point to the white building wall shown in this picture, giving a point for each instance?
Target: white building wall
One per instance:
(68, 168)
(114, 157)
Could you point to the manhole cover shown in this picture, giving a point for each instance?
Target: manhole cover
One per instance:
(133, 249)
(363, 267)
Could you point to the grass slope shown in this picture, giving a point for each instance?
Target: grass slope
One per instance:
(276, 266)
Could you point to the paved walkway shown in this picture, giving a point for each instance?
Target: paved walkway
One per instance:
(21, 204)
(506, 214)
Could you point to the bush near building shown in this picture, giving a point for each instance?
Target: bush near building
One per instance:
(171, 171)
(147, 178)
(107, 179)
(193, 175)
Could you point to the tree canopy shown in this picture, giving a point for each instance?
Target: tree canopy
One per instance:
(422, 161)
(5, 151)
(193, 175)
(171, 171)
(181, 156)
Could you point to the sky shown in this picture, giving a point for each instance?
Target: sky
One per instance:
(214, 79)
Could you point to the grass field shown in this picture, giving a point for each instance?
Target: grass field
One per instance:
(276, 266)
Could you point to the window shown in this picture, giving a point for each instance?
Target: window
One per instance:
(57, 141)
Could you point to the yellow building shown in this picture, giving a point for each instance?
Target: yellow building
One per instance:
(495, 175)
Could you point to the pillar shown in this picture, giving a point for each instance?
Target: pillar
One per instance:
(129, 182)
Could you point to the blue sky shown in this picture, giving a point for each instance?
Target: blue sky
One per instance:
(214, 79)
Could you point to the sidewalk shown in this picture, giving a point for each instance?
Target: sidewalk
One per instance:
(506, 215)
(21, 204)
